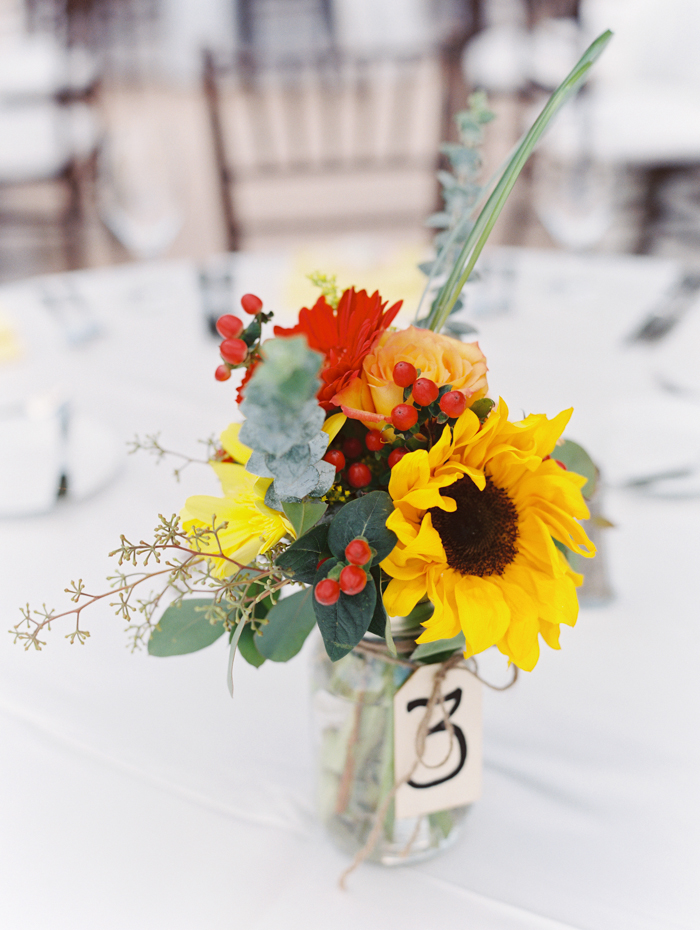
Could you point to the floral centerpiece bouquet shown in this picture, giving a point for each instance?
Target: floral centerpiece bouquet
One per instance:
(375, 491)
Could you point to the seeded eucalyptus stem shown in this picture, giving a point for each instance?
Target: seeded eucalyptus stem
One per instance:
(189, 575)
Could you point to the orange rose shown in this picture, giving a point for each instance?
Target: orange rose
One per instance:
(372, 395)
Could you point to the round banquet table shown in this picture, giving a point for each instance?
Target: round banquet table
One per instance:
(137, 794)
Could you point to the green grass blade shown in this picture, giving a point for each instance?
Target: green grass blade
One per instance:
(476, 240)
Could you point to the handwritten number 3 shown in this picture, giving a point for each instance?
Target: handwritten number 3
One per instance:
(455, 696)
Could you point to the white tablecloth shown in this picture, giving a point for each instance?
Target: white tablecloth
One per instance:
(136, 794)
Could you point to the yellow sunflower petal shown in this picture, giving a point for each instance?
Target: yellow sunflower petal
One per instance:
(521, 643)
(400, 597)
(483, 611)
(550, 634)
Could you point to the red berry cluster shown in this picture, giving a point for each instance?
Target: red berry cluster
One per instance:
(352, 578)
(424, 393)
(235, 350)
(358, 474)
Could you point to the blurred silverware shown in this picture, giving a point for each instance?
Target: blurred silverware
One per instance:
(64, 420)
(644, 481)
(672, 308)
(71, 311)
(215, 279)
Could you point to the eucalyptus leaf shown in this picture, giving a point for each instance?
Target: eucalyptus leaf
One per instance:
(366, 516)
(438, 650)
(288, 624)
(300, 560)
(326, 479)
(344, 623)
(236, 635)
(380, 618)
(381, 621)
(257, 465)
(248, 649)
(305, 515)
(294, 487)
(184, 628)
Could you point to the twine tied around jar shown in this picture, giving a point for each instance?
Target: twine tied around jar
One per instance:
(379, 651)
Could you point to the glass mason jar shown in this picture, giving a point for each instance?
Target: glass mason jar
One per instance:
(353, 723)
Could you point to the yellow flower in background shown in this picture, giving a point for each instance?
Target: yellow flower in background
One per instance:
(252, 528)
(232, 445)
(475, 518)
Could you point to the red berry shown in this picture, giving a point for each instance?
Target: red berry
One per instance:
(352, 579)
(352, 448)
(359, 476)
(251, 304)
(404, 374)
(327, 592)
(561, 464)
(229, 326)
(404, 416)
(454, 403)
(425, 392)
(374, 440)
(335, 457)
(396, 455)
(320, 563)
(358, 552)
(233, 350)
(222, 373)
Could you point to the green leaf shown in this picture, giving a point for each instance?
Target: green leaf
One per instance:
(300, 560)
(578, 460)
(235, 637)
(304, 515)
(439, 650)
(476, 240)
(421, 612)
(288, 624)
(344, 623)
(443, 820)
(482, 408)
(364, 517)
(381, 621)
(184, 628)
(248, 649)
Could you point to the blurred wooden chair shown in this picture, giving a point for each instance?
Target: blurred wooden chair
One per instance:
(49, 138)
(346, 128)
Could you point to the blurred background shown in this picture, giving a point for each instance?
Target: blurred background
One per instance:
(137, 129)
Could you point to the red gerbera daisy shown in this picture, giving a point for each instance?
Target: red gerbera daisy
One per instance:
(344, 336)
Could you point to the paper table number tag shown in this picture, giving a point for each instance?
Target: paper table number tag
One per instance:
(452, 775)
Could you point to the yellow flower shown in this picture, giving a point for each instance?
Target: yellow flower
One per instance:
(372, 395)
(252, 527)
(475, 518)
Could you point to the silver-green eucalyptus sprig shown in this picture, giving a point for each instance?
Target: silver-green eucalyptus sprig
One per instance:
(283, 423)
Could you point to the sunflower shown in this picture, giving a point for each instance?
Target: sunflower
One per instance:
(252, 527)
(344, 335)
(476, 517)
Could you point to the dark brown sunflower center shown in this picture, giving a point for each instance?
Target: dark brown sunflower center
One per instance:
(480, 537)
